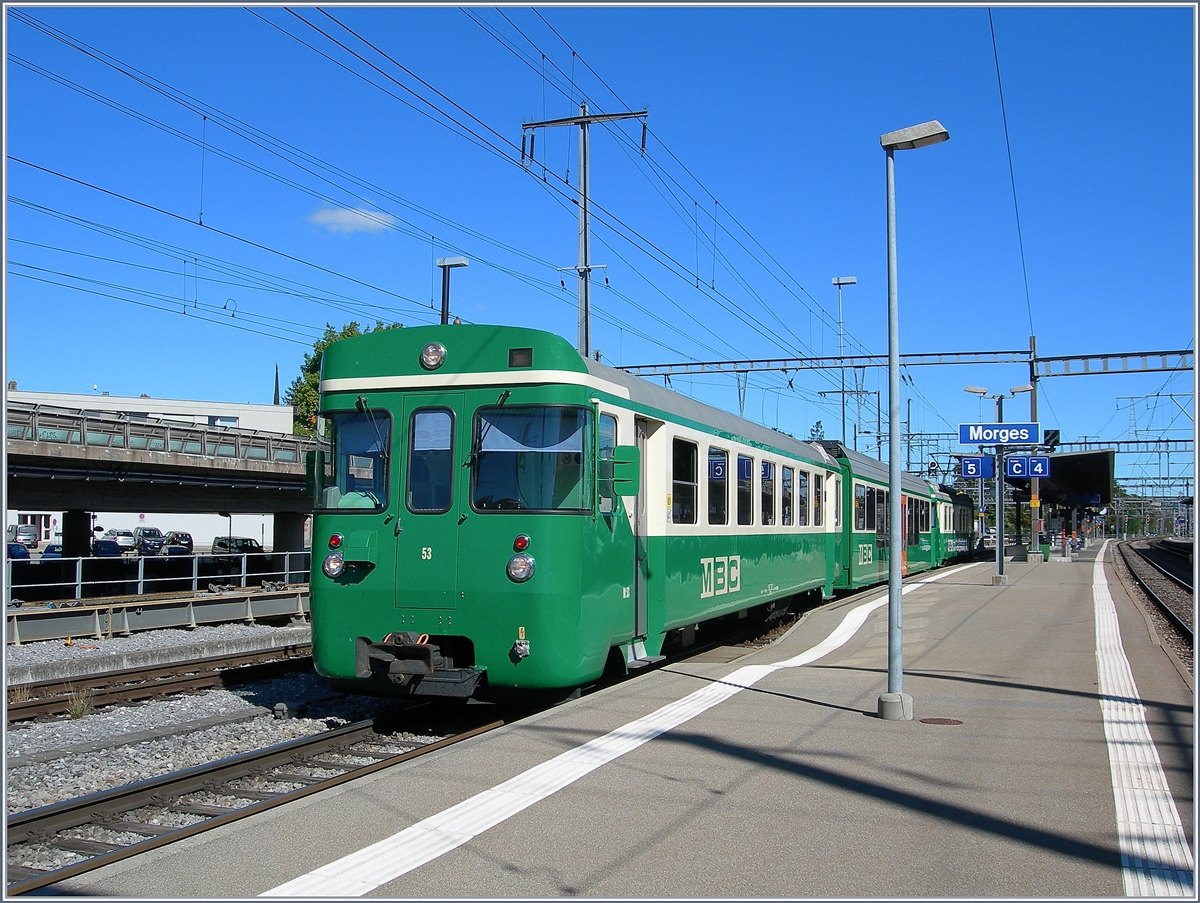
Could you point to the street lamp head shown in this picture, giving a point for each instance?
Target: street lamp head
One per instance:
(1017, 389)
(845, 280)
(449, 262)
(914, 136)
(975, 390)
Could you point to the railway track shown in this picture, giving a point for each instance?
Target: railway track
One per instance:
(1171, 595)
(60, 841)
(56, 697)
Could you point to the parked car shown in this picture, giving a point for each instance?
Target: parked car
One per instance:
(238, 545)
(178, 538)
(17, 551)
(25, 534)
(175, 550)
(53, 550)
(123, 538)
(107, 548)
(147, 540)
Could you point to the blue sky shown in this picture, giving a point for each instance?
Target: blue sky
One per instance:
(764, 132)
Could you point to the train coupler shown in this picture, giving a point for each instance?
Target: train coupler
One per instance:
(412, 665)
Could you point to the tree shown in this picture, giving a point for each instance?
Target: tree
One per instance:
(304, 391)
(817, 433)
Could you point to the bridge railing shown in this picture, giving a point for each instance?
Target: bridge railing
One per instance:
(41, 423)
(58, 580)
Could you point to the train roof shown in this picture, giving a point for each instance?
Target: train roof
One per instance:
(389, 359)
(643, 391)
(875, 469)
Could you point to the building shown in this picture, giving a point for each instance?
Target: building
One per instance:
(204, 527)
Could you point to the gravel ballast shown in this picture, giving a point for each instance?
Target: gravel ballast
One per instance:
(55, 760)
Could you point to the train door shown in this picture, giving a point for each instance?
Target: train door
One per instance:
(426, 530)
(640, 621)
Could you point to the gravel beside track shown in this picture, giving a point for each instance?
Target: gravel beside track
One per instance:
(121, 745)
(90, 647)
(1168, 634)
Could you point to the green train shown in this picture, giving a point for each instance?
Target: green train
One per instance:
(496, 513)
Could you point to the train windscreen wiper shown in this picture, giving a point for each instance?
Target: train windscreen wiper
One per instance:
(363, 408)
(478, 445)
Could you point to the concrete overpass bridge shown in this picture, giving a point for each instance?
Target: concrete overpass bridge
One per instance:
(83, 461)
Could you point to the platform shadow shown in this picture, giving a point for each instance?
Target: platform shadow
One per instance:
(1029, 835)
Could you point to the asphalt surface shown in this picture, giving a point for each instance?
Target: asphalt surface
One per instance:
(789, 787)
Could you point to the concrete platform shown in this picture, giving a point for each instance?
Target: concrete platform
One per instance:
(772, 776)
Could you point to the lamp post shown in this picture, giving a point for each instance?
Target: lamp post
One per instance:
(895, 704)
(839, 281)
(447, 264)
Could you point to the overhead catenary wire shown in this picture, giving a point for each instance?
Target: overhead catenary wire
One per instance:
(600, 213)
(1011, 172)
(145, 79)
(634, 239)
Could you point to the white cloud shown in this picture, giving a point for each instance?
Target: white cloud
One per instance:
(351, 220)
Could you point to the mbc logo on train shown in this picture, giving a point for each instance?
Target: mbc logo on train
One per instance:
(719, 576)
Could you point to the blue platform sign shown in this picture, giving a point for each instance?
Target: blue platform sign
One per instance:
(981, 467)
(999, 433)
(1027, 466)
(1016, 466)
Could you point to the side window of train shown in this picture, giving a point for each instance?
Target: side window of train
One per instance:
(787, 481)
(802, 498)
(604, 470)
(430, 470)
(683, 482)
(872, 509)
(718, 486)
(860, 506)
(818, 497)
(837, 502)
(745, 490)
(768, 493)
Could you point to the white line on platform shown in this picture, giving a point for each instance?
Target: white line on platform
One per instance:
(1155, 858)
(360, 873)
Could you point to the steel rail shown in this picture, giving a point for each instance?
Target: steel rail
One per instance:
(104, 808)
(1175, 578)
(1162, 606)
(53, 697)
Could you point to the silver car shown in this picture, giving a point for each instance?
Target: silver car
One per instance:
(123, 538)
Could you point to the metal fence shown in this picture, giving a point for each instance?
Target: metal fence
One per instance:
(53, 580)
(40, 423)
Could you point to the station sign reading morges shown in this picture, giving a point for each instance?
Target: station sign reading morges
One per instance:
(999, 433)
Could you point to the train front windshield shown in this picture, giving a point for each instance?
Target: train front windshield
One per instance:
(533, 458)
(357, 474)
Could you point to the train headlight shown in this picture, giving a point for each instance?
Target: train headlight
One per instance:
(334, 565)
(433, 355)
(520, 568)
